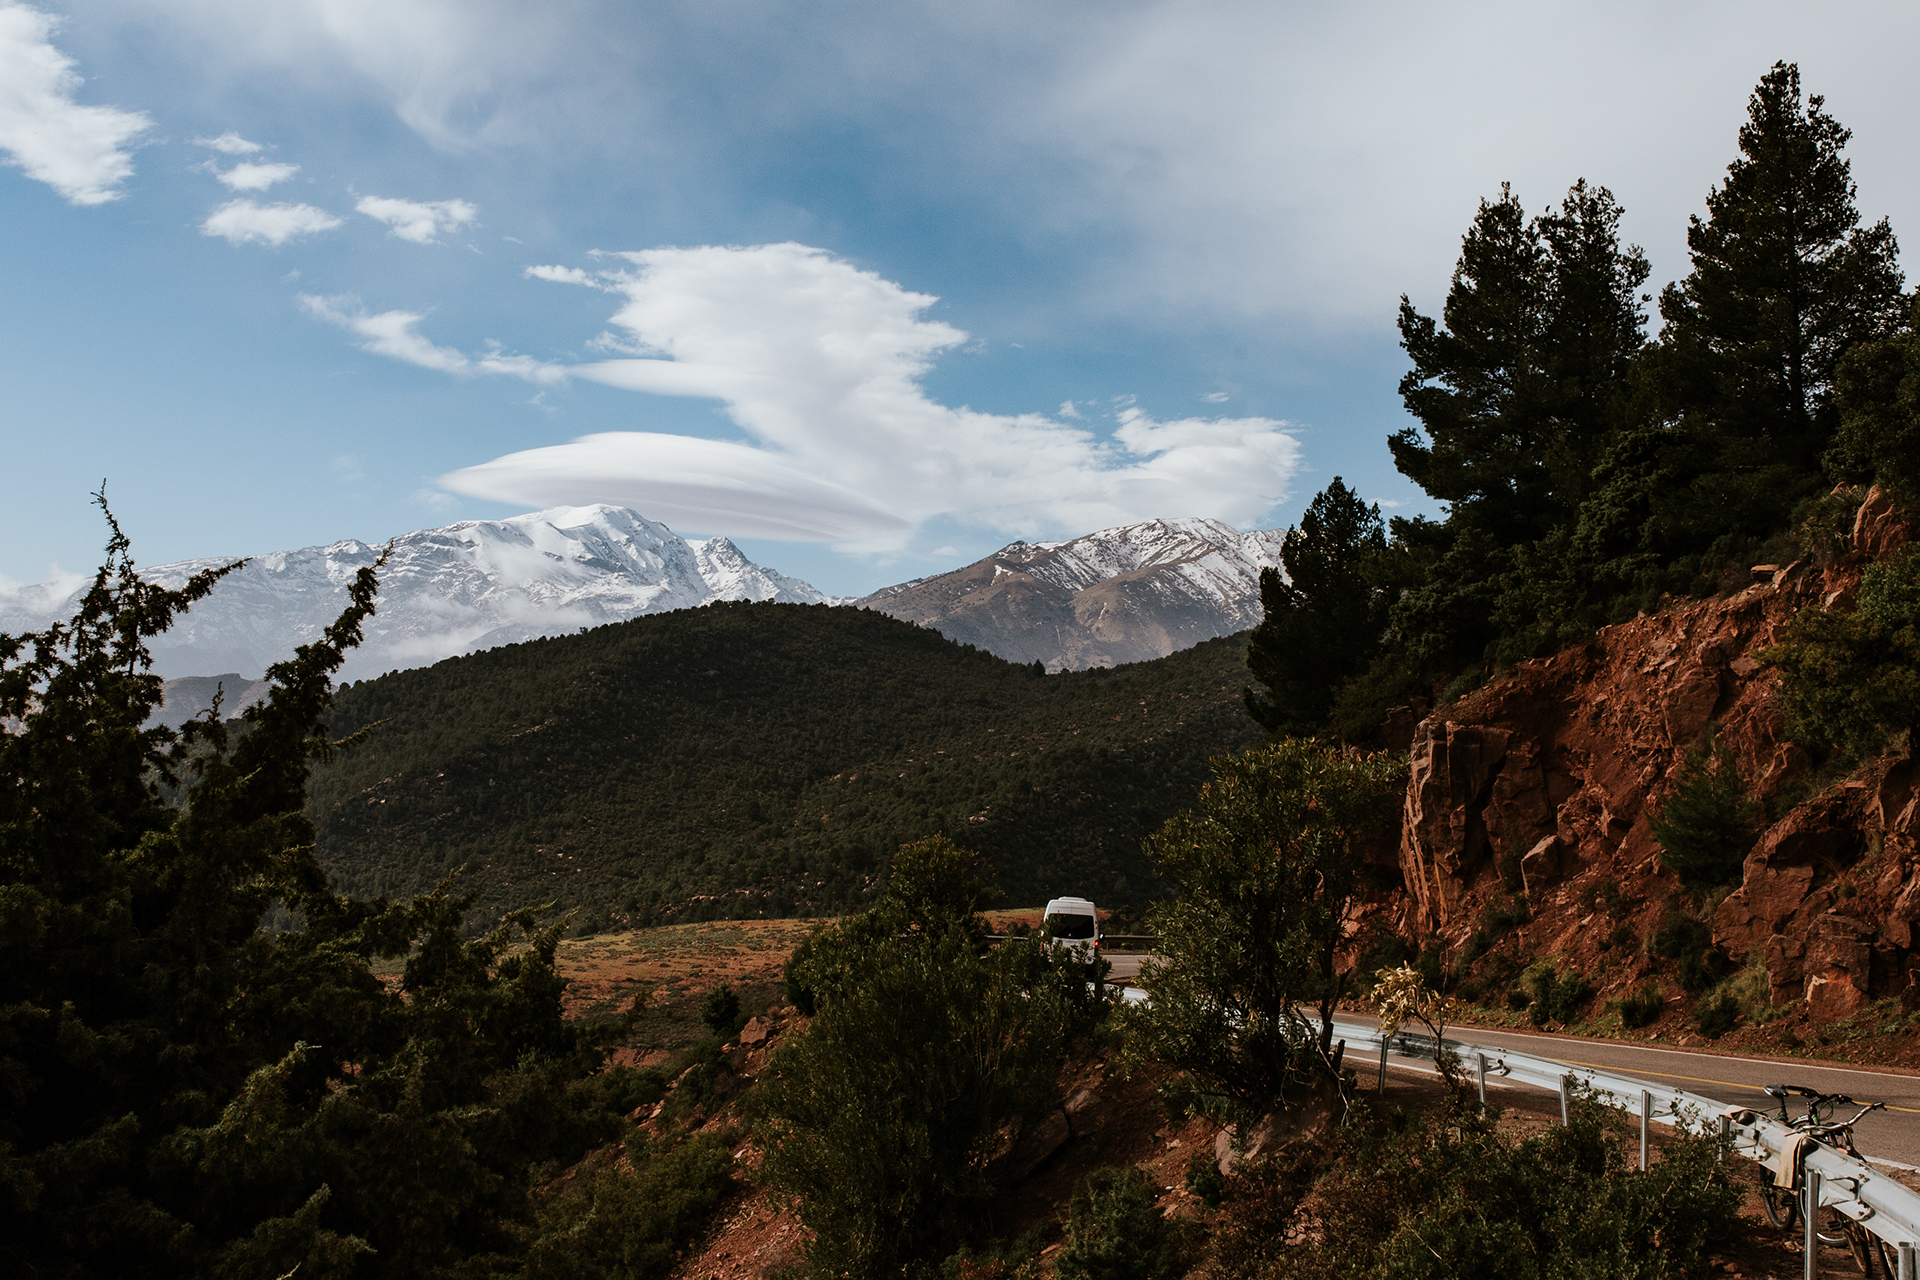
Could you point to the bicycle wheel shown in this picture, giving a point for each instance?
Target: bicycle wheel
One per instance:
(1874, 1256)
(1782, 1207)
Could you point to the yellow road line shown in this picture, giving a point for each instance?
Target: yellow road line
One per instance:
(1668, 1075)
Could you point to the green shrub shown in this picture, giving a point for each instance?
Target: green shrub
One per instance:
(1205, 1180)
(720, 1010)
(1603, 895)
(1641, 1008)
(1556, 997)
(1751, 990)
(629, 1223)
(1717, 1015)
(1851, 681)
(1115, 1231)
(1688, 942)
(1453, 1199)
(882, 1117)
(1705, 824)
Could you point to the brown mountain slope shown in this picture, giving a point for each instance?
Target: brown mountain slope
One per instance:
(1549, 775)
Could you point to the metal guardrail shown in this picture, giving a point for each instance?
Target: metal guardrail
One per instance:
(1883, 1206)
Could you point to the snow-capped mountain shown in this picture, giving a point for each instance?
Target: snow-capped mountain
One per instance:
(1119, 595)
(729, 575)
(457, 589)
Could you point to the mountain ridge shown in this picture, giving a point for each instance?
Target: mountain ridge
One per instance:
(458, 588)
(1131, 593)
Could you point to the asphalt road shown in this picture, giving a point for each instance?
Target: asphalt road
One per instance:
(1891, 1135)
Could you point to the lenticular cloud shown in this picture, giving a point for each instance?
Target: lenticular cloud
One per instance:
(820, 364)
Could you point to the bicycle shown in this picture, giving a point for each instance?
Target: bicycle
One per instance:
(1874, 1256)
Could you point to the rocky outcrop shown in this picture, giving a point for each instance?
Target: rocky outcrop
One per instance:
(1545, 781)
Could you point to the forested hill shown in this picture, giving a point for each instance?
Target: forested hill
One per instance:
(762, 759)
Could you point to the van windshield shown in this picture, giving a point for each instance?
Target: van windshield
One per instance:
(1070, 926)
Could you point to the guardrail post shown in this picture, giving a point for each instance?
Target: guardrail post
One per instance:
(1566, 1116)
(1646, 1118)
(1905, 1254)
(1810, 1211)
(1384, 1041)
(1483, 1077)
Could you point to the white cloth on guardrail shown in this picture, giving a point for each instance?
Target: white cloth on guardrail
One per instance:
(1786, 1169)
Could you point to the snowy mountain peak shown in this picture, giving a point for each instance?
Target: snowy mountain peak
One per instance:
(1125, 594)
(459, 588)
(730, 575)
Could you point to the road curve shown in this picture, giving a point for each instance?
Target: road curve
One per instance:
(1890, 1135)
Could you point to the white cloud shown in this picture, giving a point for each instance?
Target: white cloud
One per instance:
(1068, 411)
(79, 151)
(229, 144)
(1216, 397)
(820, 363)
(420, 222)
(562, 275)
(249, 222)
(249, 176)
(396, 335)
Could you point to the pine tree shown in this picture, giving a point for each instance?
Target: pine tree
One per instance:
(188, 1092)
(1517, 394)
(1877, 389)
(1784, 281)
(1325, 620)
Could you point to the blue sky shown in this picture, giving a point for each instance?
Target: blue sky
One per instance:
(873, 288)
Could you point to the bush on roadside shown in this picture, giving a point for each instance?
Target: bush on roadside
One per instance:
(1688, 942)
(1556, 997)
(1641, 1008)
(1387, 1197)
(1717, 1015)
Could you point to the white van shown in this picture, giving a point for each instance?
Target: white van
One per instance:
(1074, 924)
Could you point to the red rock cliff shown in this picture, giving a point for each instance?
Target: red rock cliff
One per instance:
(1558, 764)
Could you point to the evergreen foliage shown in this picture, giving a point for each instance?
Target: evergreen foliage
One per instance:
(1588, 474)
(189, 1094)
(883, 1118)
(629, 1222)
(1688, 942)
(1452, 1199)
(1263, 871)
(761, 759)
(1554, 996)
(1705, 824)
(720, 1009)
(1851, 681)
(1517, 394)
(1115, 1230)
(1518, 398)
(1324, 621)
(1877, 389)
(1785, 280)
